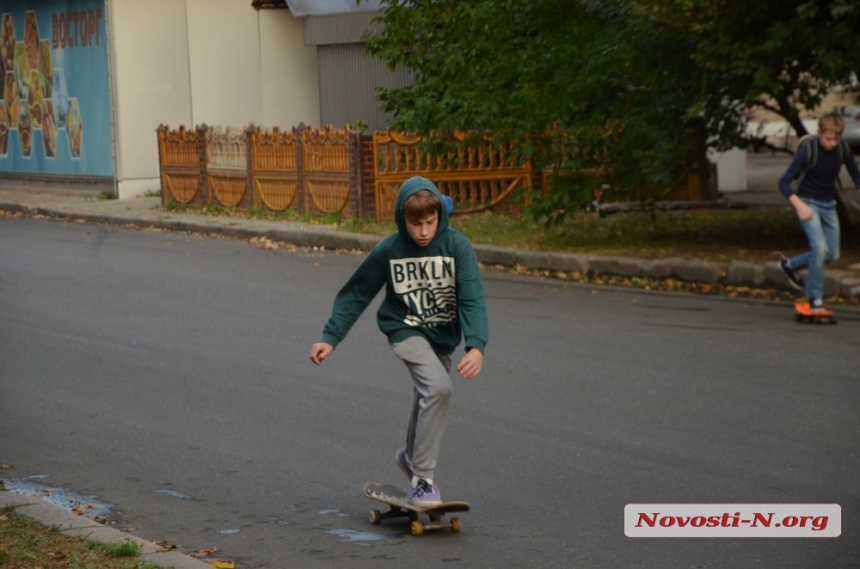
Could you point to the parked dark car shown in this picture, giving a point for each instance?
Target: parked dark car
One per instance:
(851, 135)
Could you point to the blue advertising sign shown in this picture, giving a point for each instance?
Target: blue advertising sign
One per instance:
(54, 95)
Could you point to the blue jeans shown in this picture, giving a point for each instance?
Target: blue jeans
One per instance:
(822, 232)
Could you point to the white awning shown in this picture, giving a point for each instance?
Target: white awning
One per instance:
(301, 8)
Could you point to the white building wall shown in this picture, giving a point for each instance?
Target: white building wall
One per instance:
(189, 62)
(224, 50)
(290, 72)
(150, 84)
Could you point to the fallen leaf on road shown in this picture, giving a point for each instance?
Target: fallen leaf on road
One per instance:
(264, 243)
(221, 563)
(205, 552)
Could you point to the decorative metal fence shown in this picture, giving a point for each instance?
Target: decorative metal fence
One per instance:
(325, 171)
(478, 177)
(274, 168)
(336, 171)
(307, 169)
(226, 166)
(180, 162)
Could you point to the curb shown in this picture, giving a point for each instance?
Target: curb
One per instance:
(838, 283)
(72, 524)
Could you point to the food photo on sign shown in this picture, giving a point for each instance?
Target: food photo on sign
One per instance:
(54, 85)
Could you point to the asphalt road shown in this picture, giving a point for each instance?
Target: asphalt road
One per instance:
(166, 375)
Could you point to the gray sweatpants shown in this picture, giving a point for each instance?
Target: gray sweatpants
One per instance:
(431, 398)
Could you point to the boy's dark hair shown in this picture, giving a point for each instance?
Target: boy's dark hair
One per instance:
(421, 204)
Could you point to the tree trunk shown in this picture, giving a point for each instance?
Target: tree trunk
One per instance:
(798, 126)
(787, 110)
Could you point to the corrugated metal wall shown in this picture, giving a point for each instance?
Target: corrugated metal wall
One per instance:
(337, 28)
(348, 81)
(348, 75)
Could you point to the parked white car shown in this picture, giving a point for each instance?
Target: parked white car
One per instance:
(851, 135)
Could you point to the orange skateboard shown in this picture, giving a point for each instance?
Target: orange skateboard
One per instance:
(803, 314)
(400, 507)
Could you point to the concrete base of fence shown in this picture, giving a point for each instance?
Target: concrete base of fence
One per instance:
(735, 273)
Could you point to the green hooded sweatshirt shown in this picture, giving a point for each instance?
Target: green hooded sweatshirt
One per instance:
(434, 291)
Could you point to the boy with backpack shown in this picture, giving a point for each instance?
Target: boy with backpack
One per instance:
(816, 167)
(434, 297)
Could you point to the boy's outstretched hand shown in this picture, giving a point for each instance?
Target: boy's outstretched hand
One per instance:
(804, 212)
(471, 364)
(320, 351)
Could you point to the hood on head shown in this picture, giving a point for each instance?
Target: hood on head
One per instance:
(409, 187)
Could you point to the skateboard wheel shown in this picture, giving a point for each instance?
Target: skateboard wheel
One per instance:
(456, 525)
(375, 517)
(417, 528)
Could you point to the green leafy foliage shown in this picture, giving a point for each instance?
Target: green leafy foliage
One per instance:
(609, 94)
(782, 55)
(591, 91)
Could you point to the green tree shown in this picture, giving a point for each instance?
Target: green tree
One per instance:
(780, 55)
(634, 90)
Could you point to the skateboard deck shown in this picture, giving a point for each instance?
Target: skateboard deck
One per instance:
(802, 314)
(400, 507)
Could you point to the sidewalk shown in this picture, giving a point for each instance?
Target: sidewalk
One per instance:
(72, 524)
(85, 206)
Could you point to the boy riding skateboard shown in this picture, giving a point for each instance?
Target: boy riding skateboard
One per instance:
(814, 202)
(434, 297)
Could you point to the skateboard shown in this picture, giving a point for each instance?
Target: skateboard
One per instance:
(802, 314)
(399, 507)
